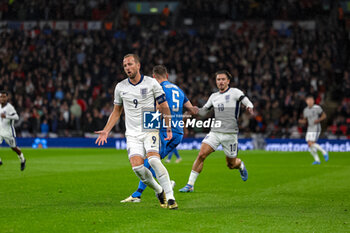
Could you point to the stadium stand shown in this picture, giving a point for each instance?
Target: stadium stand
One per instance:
(62, 81)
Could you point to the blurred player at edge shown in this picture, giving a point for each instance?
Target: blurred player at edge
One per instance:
(176, 100)
(313, 115)
(226, 102)
(8, 115)
(134, 94)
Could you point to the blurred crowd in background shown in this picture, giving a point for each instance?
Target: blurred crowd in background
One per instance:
(62, 82)
(57, 9)
(213, 9)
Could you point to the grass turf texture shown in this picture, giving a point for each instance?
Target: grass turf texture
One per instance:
(79, 190)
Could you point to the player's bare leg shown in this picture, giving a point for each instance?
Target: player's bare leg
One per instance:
(233, 163)
(20, 156)
(163, 178)
(236, 163)
(313, 152)
(204, 152)
(197, 167)
(145, 175)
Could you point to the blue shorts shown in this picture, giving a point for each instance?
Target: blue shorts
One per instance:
(167, 146)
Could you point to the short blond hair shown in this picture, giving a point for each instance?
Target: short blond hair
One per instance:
(135, 56)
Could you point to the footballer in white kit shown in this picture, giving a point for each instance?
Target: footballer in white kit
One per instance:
(135, 99)
(136, 94)
(312, 115)
(8, 115)
(226, 104)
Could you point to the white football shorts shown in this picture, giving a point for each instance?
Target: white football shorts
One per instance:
(312, 136)
(142, 144)
(229, 142)
(11, 141)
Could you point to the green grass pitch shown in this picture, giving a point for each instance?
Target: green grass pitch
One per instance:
(79, 190)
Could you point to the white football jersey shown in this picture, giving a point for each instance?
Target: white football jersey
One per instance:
(312, 114)
(137, 98)
(6, 124)
(226, 108)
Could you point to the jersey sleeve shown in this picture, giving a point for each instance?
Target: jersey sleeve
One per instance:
(117, 97)
(158, 92)
(207, 106)
(319, 110)
(241, 97)
(11, 113)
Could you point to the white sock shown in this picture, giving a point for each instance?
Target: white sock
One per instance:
(21, 157)
(318, 147)
(241, 167)
(193, 177)
(314, 154)
(146, 176)
(162, 176)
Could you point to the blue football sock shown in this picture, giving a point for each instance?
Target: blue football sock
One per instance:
(146, 164)
(176, 153)
(170, 155)
(139, 190)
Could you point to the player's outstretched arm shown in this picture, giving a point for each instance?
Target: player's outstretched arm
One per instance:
(250, 110)
(164, 109)
(302, 120)
(203, 111)
(323, 117)
(249, 105)
(192, 109)
(112, 120)
(11, 116)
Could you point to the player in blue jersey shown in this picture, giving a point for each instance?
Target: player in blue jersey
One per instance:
(178, 157)
(176, 100)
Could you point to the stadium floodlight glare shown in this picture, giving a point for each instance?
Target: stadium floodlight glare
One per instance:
(153, 10)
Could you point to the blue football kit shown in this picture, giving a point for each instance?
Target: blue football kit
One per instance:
(176, 99)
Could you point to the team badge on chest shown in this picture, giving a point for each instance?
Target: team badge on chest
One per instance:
(143, 92)
(227, 98)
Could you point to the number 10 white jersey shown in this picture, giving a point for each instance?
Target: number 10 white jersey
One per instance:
(226, 108)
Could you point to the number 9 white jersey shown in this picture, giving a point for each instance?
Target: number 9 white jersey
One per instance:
(135, 99)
